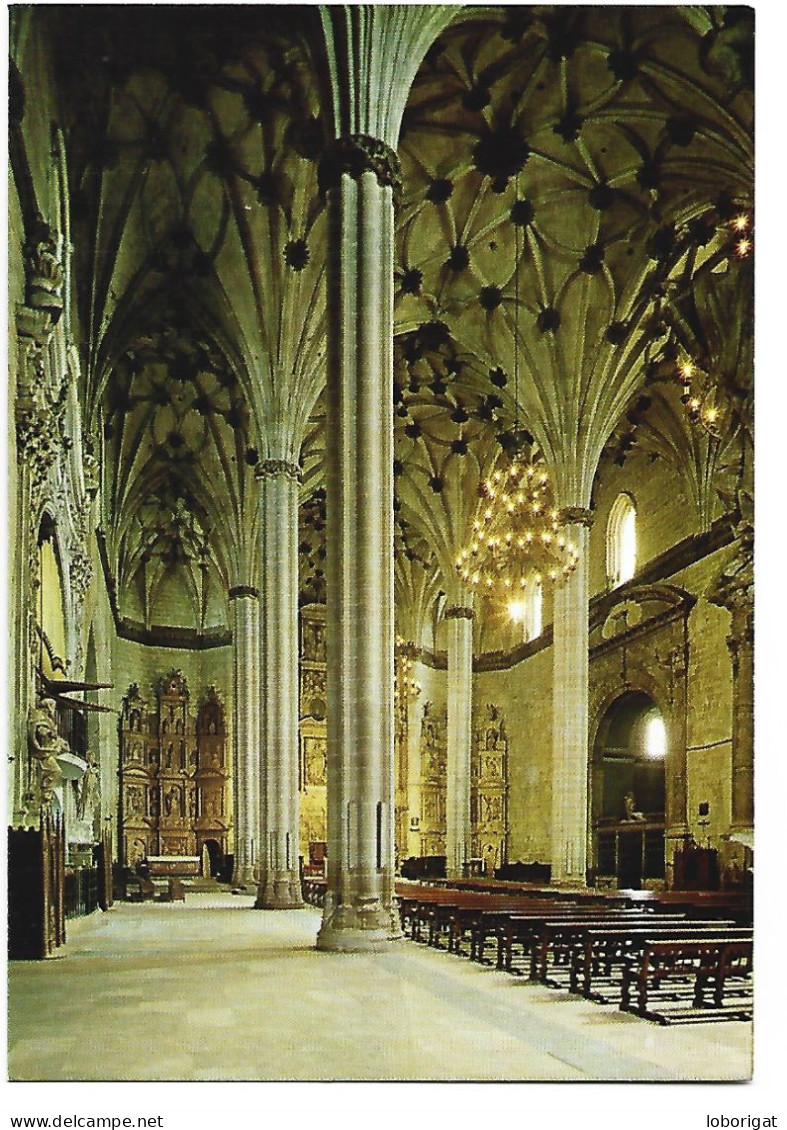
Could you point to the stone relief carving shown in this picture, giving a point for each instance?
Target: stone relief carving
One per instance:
(433, 743)
(45, 746)
(90, 466)
(313, 641)
(44, 271)
(488, 788)
(313, 693)
(733, 588)
(434, 728)
(315, 760)
(80, 571)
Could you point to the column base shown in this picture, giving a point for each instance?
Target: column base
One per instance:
(279, 890)
(365, 926)
(245, 877)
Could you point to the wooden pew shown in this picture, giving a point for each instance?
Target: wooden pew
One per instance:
(484, 919)
(445, 916)
(524, 930)
(557, 937)
(678, 970)
(600, 951)
(441, 916)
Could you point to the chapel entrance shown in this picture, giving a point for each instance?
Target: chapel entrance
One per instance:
(627, 793)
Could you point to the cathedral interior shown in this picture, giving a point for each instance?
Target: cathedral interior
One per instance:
(380, 488)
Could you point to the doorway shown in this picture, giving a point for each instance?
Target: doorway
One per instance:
(628, 791)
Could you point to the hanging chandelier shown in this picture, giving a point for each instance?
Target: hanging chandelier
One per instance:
(708, 396)
(518, 541)
(706, 400)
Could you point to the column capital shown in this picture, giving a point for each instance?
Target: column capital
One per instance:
(576, 516)
(273, 468)
(458, 612)
(242, 590)
(43, 272)
(356, 154)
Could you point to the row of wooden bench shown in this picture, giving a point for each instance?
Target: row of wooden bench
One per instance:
(667, 956)
(662, 964)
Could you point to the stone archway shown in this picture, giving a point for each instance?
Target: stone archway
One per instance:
(628, 792)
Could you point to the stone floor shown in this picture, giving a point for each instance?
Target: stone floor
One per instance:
(213, 990)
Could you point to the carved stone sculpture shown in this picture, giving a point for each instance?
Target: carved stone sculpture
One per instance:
(46, 745)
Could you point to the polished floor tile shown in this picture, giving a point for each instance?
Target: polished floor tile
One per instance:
(211, 989)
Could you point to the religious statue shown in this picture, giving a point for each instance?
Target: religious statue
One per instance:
(630, 812)
(46, 745)
(89, 790)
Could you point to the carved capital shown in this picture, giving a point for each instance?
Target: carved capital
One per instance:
(741, 635)
(576, 516)
(356, 154)
(272, 468)
(458, 612)
(34, 329)
(733, 588)
(44, 271)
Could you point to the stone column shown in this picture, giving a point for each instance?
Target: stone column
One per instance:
(367, 58)
(359, 912)
(741, 644)
(246, 731)
(570, 712)
(459, 751)
(279, 885)
(415, 717)
(734, 590)
(676, 831)
(38, 411)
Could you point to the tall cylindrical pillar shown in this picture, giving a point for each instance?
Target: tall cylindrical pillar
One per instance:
(741, 644)
(570, 713)
(279, 883)
(245, 611)
(734, 590)
(359, 908)
(459, 739)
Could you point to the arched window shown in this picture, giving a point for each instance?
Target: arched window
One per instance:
(621, 541)
(654, 736)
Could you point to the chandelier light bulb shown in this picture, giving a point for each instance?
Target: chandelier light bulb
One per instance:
(517, 610)
(742, 248)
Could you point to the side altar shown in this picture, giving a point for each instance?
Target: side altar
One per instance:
(174, 794)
